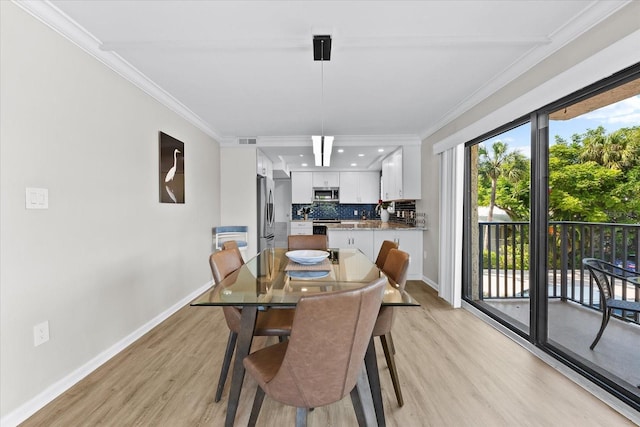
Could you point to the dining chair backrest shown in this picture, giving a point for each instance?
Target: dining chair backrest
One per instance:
(237, 233)
(598, 271)
(223, 263)
(232, 245)
(396, 267)
(386, 246)
(308, 241)
(325, 353)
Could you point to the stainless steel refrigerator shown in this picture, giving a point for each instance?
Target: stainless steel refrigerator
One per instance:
(266, 213)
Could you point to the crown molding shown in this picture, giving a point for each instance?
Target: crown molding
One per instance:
(595, 13)
(50, 15)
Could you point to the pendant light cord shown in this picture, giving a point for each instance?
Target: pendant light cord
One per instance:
(322, 86)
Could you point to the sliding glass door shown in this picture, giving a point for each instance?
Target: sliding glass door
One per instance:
(544, 194)
(497, 212)
(594, 212)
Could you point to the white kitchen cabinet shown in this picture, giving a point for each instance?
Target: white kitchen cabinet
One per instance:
(409, 240)
(348, 238)
(392, 176)
(326, 179)
(359, 187)
(301, 227)
(401, 174)
(264, 165)
(301, 187)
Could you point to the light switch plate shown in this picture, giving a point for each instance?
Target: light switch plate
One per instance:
(37, 198)
(41, 333)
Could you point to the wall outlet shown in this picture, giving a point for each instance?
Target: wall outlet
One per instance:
(37, 198)
(41, 333)
(355, 212)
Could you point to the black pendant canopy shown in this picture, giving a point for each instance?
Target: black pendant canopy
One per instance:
(321, 48)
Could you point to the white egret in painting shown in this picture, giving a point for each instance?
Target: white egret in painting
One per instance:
(172, 171)
(170, 193)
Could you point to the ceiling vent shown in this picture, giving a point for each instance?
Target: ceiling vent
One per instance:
(245, 141)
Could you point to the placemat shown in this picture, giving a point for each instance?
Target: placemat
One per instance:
(325, 265)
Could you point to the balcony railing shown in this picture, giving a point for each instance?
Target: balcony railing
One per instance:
(504, 260)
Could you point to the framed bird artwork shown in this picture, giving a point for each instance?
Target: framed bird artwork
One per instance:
(171, 177)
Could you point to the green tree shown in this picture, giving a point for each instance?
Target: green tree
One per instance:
(617, 150)
(513, 195)
(499, 164)
(576, 191)
(595, 177)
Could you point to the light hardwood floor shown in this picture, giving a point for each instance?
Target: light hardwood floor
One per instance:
(455, 370)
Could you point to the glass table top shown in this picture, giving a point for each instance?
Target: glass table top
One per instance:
(270, 279)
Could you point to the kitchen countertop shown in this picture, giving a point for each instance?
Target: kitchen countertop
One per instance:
(363, 225)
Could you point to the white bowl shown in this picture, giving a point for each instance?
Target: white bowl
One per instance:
(307, 257)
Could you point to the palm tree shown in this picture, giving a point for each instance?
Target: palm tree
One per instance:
(495, 164)
(616, 150)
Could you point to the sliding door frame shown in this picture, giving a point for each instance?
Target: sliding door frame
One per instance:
(538, 325)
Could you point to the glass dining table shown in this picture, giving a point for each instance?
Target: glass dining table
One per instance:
(270, 280)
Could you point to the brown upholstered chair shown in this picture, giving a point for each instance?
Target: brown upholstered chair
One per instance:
(308, 241)
(395, 268)
(269, 323)
(387, 245)
(324, 356)
(233, 245)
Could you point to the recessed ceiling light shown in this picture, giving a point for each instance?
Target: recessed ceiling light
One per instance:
(301, 155)
(354, 164)
(304, 165)
(360, 155)
(340, 150)
(380, 150)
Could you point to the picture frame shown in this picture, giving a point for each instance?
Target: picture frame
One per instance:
(171, 169)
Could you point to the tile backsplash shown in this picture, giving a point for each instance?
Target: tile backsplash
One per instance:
(326, 210)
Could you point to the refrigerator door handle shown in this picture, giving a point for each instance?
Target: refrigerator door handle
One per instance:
(270, 209)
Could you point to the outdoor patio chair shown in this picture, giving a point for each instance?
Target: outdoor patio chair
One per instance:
(603, 273)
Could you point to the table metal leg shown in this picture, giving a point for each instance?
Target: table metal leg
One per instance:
(371, 363)
(245, 337)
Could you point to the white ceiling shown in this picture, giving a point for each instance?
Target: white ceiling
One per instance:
(398, 71)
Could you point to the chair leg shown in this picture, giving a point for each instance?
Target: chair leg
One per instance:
(606, 314)
(226, 363)
(301, 417)
(391, 363)
(255, 409)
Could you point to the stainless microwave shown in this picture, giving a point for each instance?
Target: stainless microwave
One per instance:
(325, 194)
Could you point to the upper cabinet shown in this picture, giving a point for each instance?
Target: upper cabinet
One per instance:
(264, 166)
(401, 177)
(301, 187)
(326, 179)
(359, 187)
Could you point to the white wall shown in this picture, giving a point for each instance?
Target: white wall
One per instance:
(106, 258)
(430, 205)
(238, 193)
(282, 195)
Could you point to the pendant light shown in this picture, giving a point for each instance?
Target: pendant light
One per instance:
(322, 145)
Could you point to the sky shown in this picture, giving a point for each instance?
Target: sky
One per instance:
(625, 113)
